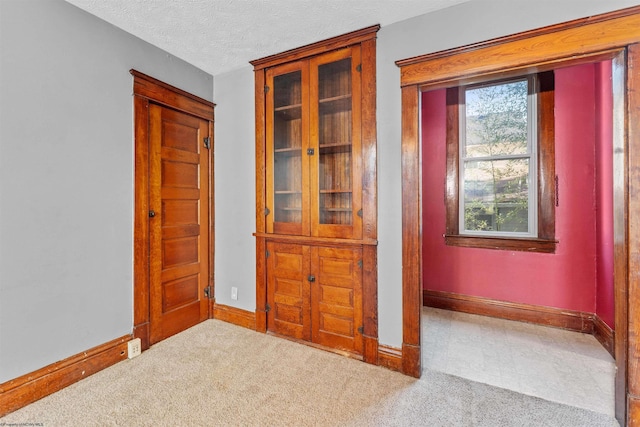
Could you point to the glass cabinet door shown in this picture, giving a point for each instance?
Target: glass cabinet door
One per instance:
(286, 141)
(335, 136)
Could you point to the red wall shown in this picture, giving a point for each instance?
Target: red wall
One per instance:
(604, 195)
(566, 279)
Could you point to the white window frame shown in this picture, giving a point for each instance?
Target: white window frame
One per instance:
(532, 155)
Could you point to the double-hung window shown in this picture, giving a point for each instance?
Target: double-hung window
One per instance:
(500, 161)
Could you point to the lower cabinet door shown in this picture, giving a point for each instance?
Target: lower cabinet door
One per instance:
(315, 294)
(288, 291)
(336, 298)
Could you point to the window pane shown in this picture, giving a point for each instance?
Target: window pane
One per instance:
(496, 120)
(496, 195)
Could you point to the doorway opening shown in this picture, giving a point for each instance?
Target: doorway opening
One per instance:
(572, 288)
(568, 44)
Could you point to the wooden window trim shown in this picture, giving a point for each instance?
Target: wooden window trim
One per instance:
(546, 178)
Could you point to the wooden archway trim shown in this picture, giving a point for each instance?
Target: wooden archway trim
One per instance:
(610, 35)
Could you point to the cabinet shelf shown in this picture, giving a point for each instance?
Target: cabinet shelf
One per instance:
(334, 191)
(289, 112)
(335, 148)
(288, 151)
(336, 209)
(335, 104)
(287, 192)
(290, 209)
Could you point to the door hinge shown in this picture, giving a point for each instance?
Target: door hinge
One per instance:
(361, 330)
(207, 143)
(267, 253)
(266, 89)
(267, 308)
(360, 264)
(266, 211)
(359, 68)
(360, 213)
(208, 292)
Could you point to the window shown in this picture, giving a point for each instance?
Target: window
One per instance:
(500, 164)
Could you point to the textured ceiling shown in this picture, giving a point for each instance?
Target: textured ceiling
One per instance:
(222, 35)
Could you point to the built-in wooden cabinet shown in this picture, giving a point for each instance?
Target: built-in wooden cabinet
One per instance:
(316, 212)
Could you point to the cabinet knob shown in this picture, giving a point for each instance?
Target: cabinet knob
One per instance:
(311, 278)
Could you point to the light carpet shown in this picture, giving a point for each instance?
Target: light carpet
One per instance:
(218, 374)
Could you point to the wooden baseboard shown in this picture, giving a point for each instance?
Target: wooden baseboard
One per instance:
(547, 316)
(604, 334)
(390, 357)
(234, 315)
(578, 321)
(21, 391)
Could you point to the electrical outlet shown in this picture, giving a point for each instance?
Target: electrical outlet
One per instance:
(234, 293)
(134, 348)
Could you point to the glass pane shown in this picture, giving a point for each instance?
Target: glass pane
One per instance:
(287, 145)
(334, 79)
(334, 140)
(496, 120)
(496, 195)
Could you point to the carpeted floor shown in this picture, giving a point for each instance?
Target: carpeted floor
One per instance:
(218, 374)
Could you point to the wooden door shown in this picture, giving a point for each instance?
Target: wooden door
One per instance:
(288, 293)
(336, 298)
(178, 223)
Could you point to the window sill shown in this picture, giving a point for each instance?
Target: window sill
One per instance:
(501, 243)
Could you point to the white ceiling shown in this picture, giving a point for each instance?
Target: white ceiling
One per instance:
(222, 35)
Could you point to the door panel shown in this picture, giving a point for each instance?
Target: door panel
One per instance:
(179, 235)
(336, 298)
(288, 290)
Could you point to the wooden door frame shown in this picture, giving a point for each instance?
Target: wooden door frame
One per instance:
(590, 39)
(148, 90)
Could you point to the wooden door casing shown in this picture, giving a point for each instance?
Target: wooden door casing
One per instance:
(154, 97)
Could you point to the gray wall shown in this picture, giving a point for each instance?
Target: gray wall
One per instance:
(235, 193)
(466, 23)
(66, 178)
